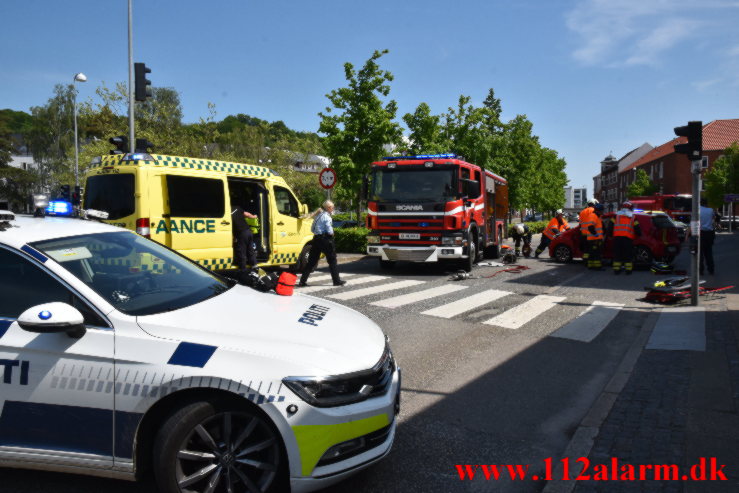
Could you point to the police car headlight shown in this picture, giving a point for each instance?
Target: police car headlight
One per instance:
(340, 390)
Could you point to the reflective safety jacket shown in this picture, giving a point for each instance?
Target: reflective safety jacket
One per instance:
(595, 228)
(584, 214)
(554, 228)
(625, 225)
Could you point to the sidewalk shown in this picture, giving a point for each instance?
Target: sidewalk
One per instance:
(671, 406)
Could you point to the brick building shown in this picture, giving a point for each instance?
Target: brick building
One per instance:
(671, 171)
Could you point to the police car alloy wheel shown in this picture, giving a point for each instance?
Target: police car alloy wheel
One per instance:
(216, 447)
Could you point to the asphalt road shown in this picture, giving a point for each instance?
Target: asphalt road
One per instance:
(473, 392)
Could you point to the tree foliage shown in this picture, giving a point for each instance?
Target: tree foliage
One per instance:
(359, 124)
(723, 177)
(642, 185)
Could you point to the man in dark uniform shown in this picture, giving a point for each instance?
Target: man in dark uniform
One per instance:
(244, 249)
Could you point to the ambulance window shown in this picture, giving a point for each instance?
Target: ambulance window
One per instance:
(113, 194)
(286, 203)
(195, 197)
(23, 285)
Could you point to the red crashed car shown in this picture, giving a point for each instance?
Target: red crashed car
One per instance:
(658, 241)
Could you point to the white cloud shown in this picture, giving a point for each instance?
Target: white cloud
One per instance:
(703, 85)
(635, 32)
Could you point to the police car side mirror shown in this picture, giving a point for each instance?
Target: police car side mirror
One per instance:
(49, 318)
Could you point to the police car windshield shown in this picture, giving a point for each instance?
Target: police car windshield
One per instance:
(137, 276)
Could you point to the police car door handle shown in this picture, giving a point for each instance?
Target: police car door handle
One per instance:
(225, 223)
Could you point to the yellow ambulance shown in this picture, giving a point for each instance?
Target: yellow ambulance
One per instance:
(186, 203)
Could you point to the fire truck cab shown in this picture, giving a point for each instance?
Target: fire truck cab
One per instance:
(434, 207)
(678, 207)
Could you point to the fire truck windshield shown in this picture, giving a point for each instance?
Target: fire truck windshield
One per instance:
(413, 185)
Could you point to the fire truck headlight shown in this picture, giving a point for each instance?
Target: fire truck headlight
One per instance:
(373, 239)
(451, 240)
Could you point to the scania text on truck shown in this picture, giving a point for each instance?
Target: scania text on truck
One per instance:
(436, 207)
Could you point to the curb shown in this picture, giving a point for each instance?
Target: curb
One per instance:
(582, 441)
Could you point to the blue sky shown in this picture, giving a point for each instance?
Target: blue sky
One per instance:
(594, 76)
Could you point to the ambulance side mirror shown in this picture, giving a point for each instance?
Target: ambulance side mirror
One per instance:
(49, 318)
(303, 209)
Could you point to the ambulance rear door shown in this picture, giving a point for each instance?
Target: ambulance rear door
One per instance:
(197, 219)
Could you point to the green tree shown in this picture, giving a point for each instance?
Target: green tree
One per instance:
(359, 124)
(6, 144)
(17, 186)
(425, 135)
(723, 177)
(642, 185)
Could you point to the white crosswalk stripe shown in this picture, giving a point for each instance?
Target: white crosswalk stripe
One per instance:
(466, 304)
(324, 277)
(358, 293)
(519, 315)
(590, 323)
(407, 299)
(350, 282)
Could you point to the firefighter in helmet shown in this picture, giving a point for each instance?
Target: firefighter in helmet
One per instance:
(595, 238)
(625, 229)
(553, 229)
(522, 234)
(584, 221)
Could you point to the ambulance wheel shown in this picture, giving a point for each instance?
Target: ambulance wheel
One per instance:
(643, 256)
(386, 264)
(302, 262)
(206, 446)
(562, 254)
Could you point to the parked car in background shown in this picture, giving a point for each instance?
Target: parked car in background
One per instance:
(345, 224)
(534, 217)
(659, 240)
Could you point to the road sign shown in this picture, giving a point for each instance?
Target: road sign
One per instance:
(731, 197)
(327, 178)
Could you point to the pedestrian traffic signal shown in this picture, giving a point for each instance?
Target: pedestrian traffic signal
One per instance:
(143, 145)
(77, 195)
(142, 85)
(694, 147)
(121, 144)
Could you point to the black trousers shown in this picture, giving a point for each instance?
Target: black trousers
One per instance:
(623, 253)
(244, 250)
(322, 244)
(525, 238)
(707, 238)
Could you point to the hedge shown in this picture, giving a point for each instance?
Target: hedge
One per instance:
(535, 227)
(351, 240)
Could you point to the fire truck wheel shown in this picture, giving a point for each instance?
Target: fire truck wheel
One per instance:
(386, 264)
(468, 262)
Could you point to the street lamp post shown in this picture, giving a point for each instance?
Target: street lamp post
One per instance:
(79, 77)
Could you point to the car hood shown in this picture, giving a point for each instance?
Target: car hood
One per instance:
(316, 335)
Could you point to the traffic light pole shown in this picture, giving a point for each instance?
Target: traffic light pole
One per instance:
(695, 233)
(131, 138)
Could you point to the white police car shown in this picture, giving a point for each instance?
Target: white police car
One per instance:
(118, 355)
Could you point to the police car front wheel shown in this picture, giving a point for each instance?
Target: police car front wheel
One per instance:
(206, 447)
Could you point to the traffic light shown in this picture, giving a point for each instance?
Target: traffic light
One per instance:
(121, 144)
(142, 85)
(64, 192)
(694, 147)
(77, 195)
(143, 145)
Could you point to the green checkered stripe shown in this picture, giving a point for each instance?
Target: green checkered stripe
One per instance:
(284, 258)
(191, 163)
(217, 263)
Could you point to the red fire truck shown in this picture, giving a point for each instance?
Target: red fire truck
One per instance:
(678, 207)
(434, 207)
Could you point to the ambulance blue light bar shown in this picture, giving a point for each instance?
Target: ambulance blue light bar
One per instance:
(59, 208)
(420, 157)
(138, 156)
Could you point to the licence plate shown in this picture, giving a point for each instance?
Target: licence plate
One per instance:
(410, 236)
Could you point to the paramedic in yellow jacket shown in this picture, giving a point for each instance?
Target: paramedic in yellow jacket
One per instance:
(553, 229)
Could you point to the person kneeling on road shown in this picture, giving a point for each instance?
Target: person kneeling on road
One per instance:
(553, 229)
(323, 242)
(521, 233)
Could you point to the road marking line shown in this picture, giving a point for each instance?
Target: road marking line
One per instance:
(458, 307)
(680, 329)
(358, 293)
(519, 315)
(590, 323)
(324, 277)
(350, 282)
(407, 299)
